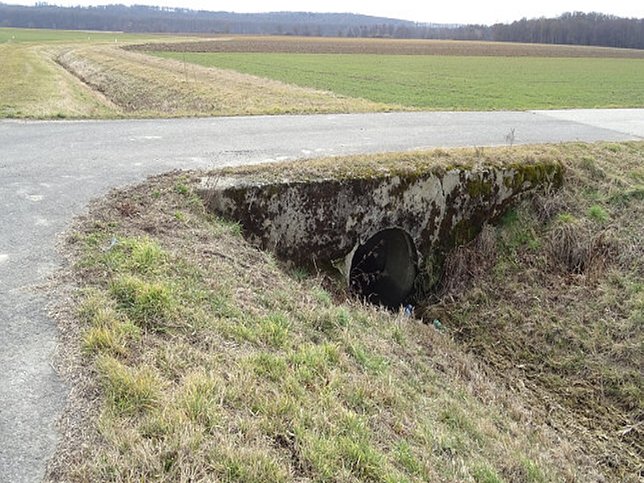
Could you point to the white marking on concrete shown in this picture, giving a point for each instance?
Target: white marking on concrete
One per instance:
(145, 138)
(45, 185)
(3, 257)
(34, 197)
(42, 222)
(205, 163)
(306, 152)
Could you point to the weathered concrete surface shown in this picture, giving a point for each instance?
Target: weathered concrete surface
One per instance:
(320, 221)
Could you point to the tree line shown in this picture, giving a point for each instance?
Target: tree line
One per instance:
(570, 28)
(576, 29)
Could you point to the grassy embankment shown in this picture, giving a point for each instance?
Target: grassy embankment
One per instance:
(33, 85)
(146, 86)
(195, 356)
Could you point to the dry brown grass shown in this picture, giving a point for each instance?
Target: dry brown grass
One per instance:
(392, 164)
(554, 300)
(308, 45)
(147, 86)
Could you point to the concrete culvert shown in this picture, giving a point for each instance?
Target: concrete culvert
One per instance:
(383, 269)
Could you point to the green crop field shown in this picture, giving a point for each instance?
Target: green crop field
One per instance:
(448, 82)
(16, 35)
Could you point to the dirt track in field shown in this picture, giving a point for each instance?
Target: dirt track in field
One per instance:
(308, 45)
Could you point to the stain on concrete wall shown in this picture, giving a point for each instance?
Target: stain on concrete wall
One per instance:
(320, 221)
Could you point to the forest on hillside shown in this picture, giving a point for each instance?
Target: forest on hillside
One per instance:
(570, 28)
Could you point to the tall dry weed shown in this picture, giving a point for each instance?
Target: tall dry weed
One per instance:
(577, 248)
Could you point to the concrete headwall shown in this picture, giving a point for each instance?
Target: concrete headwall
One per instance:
(321, 221)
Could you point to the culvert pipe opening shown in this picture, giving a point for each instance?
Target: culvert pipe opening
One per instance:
(383, 269)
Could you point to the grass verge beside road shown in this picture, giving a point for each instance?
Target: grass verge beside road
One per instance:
(195, 356)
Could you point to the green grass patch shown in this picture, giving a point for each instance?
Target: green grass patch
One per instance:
(448, 82)
(112, 339)
(598, 213)
(149, 304)
(484, 474)
(128, 389)
(40, 36)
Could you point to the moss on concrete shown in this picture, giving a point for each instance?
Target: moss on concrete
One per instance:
(317, 212)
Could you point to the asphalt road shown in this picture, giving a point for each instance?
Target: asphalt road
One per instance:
(50, 170)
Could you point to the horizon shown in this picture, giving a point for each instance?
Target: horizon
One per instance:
(495, 11)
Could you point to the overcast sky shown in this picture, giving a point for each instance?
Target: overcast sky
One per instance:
(436, 11)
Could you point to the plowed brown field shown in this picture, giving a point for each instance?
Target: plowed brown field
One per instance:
(308, 45)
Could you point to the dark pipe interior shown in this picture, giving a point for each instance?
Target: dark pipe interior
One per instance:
(383, 269)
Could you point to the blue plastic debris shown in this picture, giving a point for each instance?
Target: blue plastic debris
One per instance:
(113, 242)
